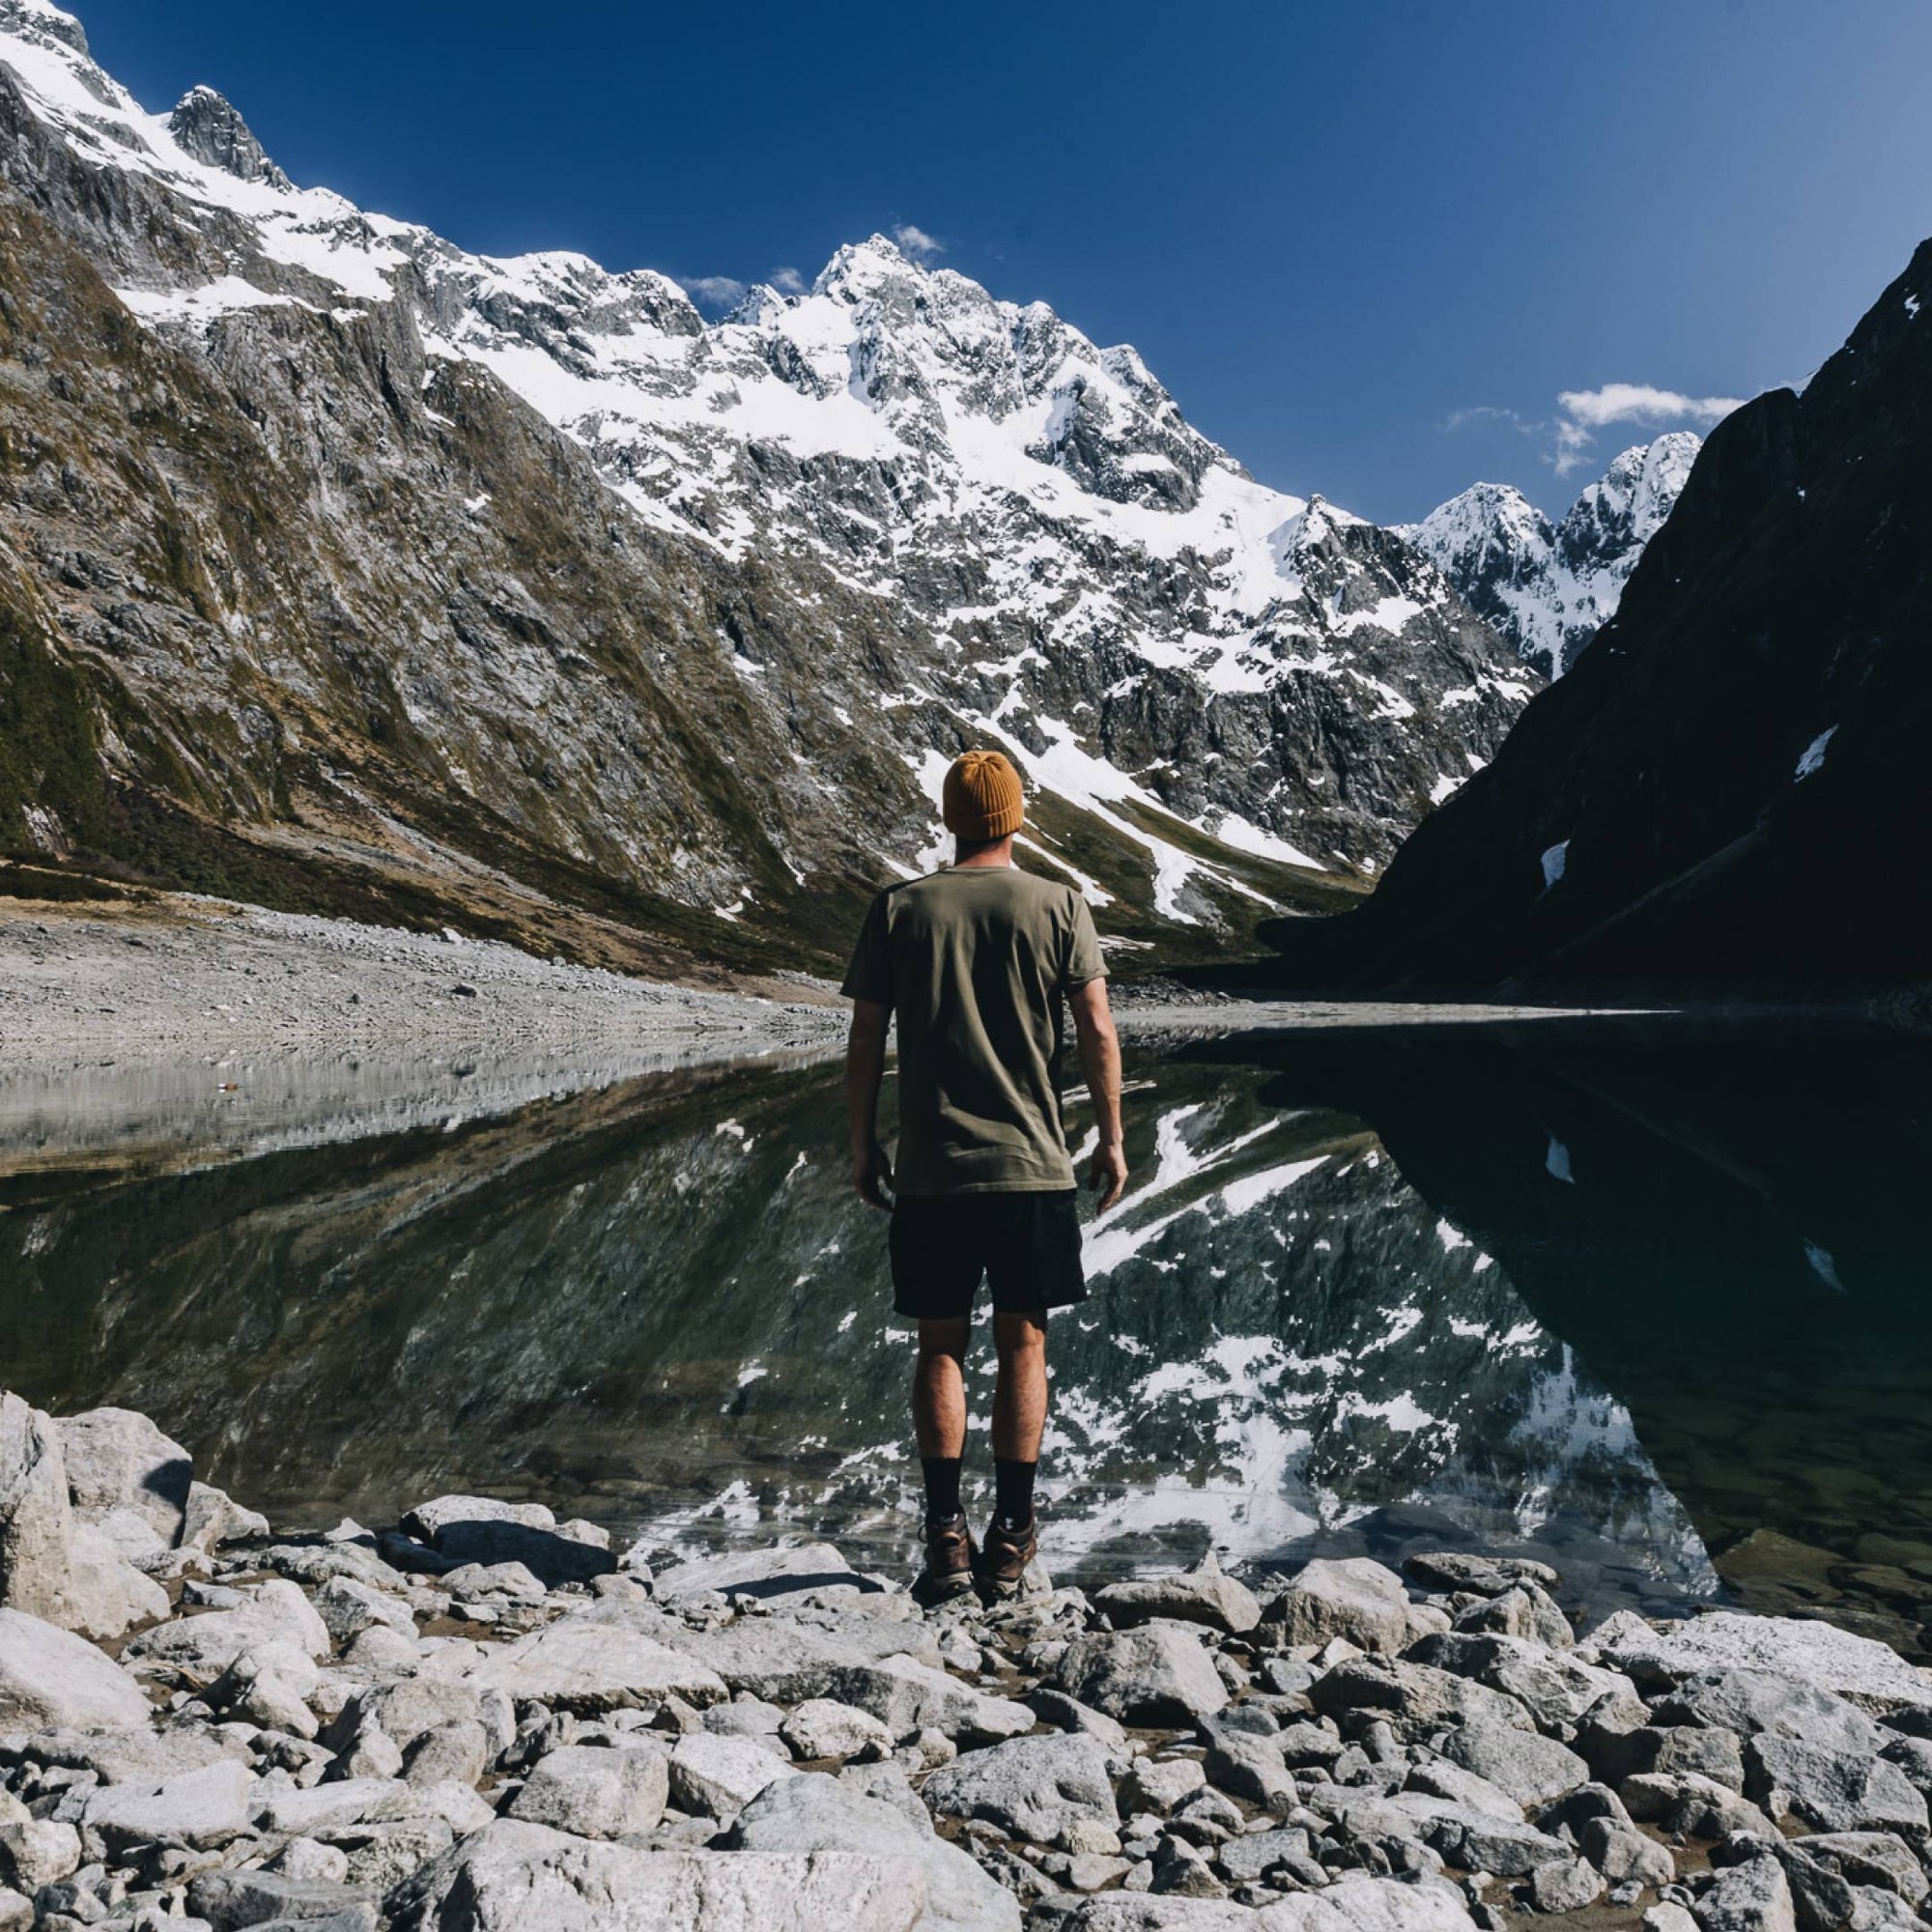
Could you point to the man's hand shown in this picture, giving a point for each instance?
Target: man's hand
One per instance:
(871, 1172)
(1109, 1175)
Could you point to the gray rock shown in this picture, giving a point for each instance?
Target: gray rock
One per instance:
(1667, 1917)
(1302, 1744)
(586, 1666)
(1417, 1698)
(383, 1852)
(716, 1778)
(1913, 1758)
(1250, 1767)
(51, 1679)
(768, 1575)
(1555, 1688)
(16, 1911)
(1707, 1752)
(310, 1858)
(1751, 1701)
(117, 1459)
(1525, 1610)
(452, 1753)
(596, 1792)
(1484, 1575)
(1158, 1785)
(1203, 1595)
(1863, 1672)
(234, 1899)
(1622, 1852)
(1157, 1675)
(823, 1727)
(36, 1515)
(1565, 1884)
(214, 1517)
(1029, 1787)
(1438, 1778)
(136, 1754)
(1478, 1843)
(470, 1580)
(406, 1709)
(1068, 1714)
(753, 1718)
(1252, 1857)
(1872, 1857)
(817, 1814)
(428, 1520)
(1576, 1808)
(1697, 1807)
(305, 1812)
(273, 1612)
(204, 1808)
(1354, 1903)
(512, 1877)
(348, 1607)
(1749, 1897)
(1531, 1768)
(1832, 1791)
(1349, 1597)
(38, 1851)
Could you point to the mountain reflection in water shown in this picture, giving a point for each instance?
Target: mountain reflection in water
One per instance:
(659, 1305)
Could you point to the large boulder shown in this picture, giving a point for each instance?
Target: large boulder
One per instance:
(481, 1529)
(1417, 1699)
(1353, 1598)
(36, 1515)
(588, 1667)
(814, 1813)
(1555, 1688)
(1355, 1903)
(1203, 1595)
(117, 1459)
(50, 1679)
(1031, 1787)
(513, 1877)
(231, 1900)
(1754, 1896)
(134, 1755)
(766, 1575)
(1530, 1767)
(1157, 1675)
(714, 1777)
(1863, 1671)
(205, 1645)
(1752, 1702)
(596, 1792)
(204, 1810)
(1831, 1791)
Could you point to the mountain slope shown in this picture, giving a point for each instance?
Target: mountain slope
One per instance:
(1729, 790)
(1547, 587)
(516, 577)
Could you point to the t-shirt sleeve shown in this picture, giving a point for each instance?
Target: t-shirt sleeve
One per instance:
(1082, 957)
(869, 976)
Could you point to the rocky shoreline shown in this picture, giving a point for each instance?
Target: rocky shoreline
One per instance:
(484, 1720)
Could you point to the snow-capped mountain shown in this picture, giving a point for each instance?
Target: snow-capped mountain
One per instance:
(1546, 586)
(703, 608)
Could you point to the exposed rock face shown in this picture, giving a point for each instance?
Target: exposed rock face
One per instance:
(1718, 792)
(1544, 586)
(656, 617)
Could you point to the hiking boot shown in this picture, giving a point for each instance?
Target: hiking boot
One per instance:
(949, 1558)
(1003, 1560)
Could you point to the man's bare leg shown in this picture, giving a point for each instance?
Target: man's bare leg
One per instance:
(1019, 1415)
(939, 1422)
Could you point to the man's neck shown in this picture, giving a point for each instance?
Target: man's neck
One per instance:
(998, 854)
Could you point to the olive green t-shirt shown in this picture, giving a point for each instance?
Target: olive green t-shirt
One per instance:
(974, 961)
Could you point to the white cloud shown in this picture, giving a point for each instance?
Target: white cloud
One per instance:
(916, 241)
(1582, 412)
(788, 281)
(722, 290)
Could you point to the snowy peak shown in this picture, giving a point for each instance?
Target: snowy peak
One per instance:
(1547, 588)
(207, 127)
(36, 21)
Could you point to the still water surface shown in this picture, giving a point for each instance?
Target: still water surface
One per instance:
(1653, 1304)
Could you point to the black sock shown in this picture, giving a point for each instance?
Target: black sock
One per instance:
(1012, 1492)
(942, 1487)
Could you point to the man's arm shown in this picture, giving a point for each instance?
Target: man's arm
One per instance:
(865, 1068)
(1100, 1058)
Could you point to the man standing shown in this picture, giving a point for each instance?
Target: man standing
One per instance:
(974, 961)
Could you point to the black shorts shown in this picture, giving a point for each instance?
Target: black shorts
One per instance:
(1026, 1244)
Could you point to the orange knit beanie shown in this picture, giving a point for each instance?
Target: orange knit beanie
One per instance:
(980, 799)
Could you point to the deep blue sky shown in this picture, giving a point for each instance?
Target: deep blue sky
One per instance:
(1330, 229)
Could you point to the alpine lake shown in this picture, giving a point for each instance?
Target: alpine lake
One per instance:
(1650, 1300)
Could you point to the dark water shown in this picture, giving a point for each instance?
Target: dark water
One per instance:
(1653, 1304)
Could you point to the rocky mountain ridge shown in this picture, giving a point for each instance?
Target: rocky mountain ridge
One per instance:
(519, 580)
(1727, 791)
(1548, 587)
